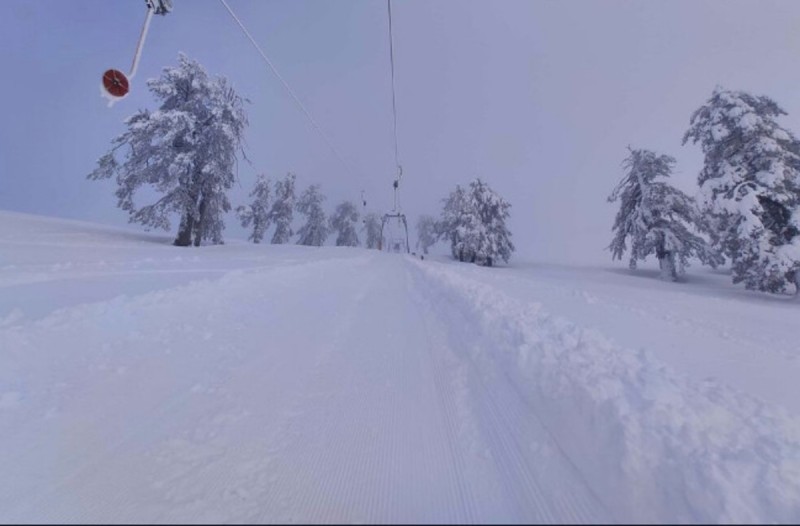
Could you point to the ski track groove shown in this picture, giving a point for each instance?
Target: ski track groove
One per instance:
(283, 435)
(448, 408)
(334, 482)
(501, 426)
(107, 453)
(448, 432)
(555, 446)
(574, 509)
(418, 380)
(155, 424)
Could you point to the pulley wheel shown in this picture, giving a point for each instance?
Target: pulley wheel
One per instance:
(115, 83)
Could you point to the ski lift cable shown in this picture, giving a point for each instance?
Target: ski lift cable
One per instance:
(289, 89)
(394, 96)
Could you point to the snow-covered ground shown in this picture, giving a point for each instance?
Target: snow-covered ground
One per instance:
(241, 383)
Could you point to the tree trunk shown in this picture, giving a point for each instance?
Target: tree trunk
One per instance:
(184, 238)
(200, 223)
(666, 260)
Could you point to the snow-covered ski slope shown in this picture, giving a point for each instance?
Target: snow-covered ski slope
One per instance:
(240, 383)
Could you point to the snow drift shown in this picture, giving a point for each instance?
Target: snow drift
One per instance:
(652, 444)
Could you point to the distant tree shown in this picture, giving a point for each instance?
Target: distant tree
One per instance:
(372, 226)
(256, 214)
(656, 218)
(315, 231)
(474, 221)
(186, 150)
(344, 221)
(750, 188)
(426, 232)
(282, 211)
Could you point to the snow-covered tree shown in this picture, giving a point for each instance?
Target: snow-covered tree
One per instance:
(256, 214)
(426, 232)
(186, 151)
(655, 217)
(282, 211)
(474, 221)
(344, 221)
(315, 231)
(452, 223)
(750, 188)
(372, 227)
(486, 235)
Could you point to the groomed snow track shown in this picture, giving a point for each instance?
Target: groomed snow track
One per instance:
(352, 386)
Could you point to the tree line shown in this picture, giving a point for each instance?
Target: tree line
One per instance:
(473, 220)
(187, 151)
(747, 212)
(264, 210)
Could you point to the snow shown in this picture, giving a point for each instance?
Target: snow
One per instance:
(141, 382)
(644, 428)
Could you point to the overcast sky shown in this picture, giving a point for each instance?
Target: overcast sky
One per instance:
(539, 98)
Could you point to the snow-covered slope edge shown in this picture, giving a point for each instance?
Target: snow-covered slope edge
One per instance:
(653, 445)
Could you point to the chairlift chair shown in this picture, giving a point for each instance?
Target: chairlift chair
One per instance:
(396, 236)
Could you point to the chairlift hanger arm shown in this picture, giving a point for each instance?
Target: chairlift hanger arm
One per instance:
(115, 83)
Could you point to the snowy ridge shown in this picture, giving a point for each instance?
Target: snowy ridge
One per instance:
(651, 444)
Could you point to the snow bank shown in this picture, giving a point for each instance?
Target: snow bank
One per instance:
(653, 445)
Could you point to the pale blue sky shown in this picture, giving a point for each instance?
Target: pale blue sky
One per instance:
(538, 98)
